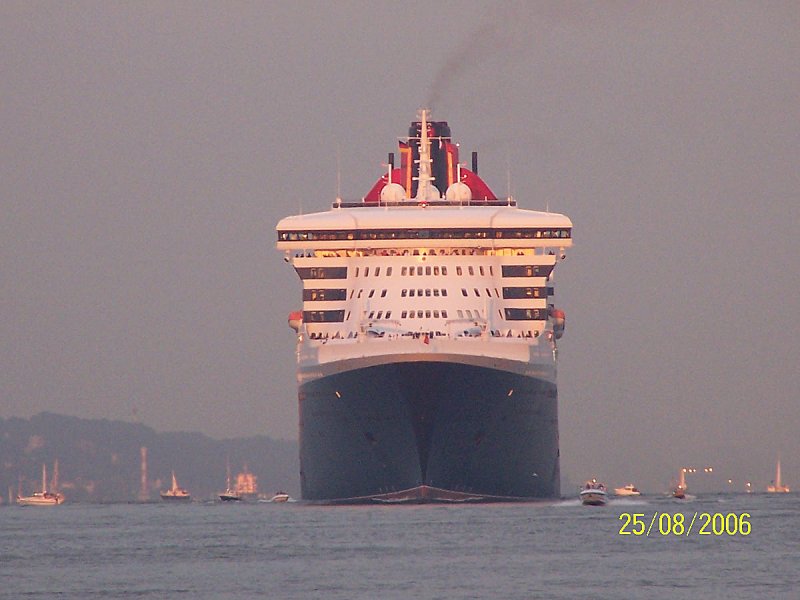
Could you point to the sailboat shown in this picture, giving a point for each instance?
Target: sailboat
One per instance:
(176, 494)
(229, 495)
(680, 491)
(777, 487)
(43, 498)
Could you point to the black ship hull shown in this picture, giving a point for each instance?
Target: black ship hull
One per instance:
(428, 431)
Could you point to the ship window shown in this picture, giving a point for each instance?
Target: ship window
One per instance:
(526, 314)
(480, 270)
(403, 293)
(458, 270)
(436, 314)
(427, 270)
(496, 293)
(460, 314)
(379, 315)
(371, 293)
(444, 314)
(488, 292)
(388, 271)
(427, 314)
(322, 272)
(419, 292)
(359, 293)
(524, 292)
(403, 271)
(419, 270)
(499, 312)
(469, 314)
(427, 292)
(491, 270)
(471, 271)
(388, 314)
(356, 271)
(435, 270)
(371, 314)
(444, 292)
(377, 271)
(324, 294)
(351, 293)
(383, 293)
(412, 292)
(444, 270)
(348, 316)
(435, 292)
(477, 293)
(527, 270)
(463, 291)
(403, 314)
(323, 316)
(419, 314)
(411, 271)
(366, 271)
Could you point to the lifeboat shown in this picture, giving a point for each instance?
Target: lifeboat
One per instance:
(558, 317)
(296, 319)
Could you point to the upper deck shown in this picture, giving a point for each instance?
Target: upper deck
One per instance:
(435, 226)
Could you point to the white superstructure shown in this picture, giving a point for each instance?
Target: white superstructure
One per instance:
(377, 278)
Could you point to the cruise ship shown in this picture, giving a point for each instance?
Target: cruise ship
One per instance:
(427, 341)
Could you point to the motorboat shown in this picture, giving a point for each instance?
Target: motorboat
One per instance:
(280, 497)
(627, 490)
(594, 493)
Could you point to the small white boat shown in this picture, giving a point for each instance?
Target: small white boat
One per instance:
(176, 493)
(594, 493)
(280, 497)
(777, 487)
(627, 490)
(43, 498)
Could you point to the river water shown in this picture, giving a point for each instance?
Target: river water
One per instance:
(750, 548)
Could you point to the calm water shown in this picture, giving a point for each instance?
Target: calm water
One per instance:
(549, 550)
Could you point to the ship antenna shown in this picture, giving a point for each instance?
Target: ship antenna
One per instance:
(338, 174)
(508, 176)
(424, 187)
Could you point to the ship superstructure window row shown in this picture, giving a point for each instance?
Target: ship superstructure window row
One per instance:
(424, 234)
(424, 314)
(422, 292)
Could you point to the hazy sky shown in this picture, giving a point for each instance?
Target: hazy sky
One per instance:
(148, 149)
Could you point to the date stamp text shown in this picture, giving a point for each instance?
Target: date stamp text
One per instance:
(679, 524)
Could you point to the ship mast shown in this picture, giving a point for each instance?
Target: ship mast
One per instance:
(425, 190)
